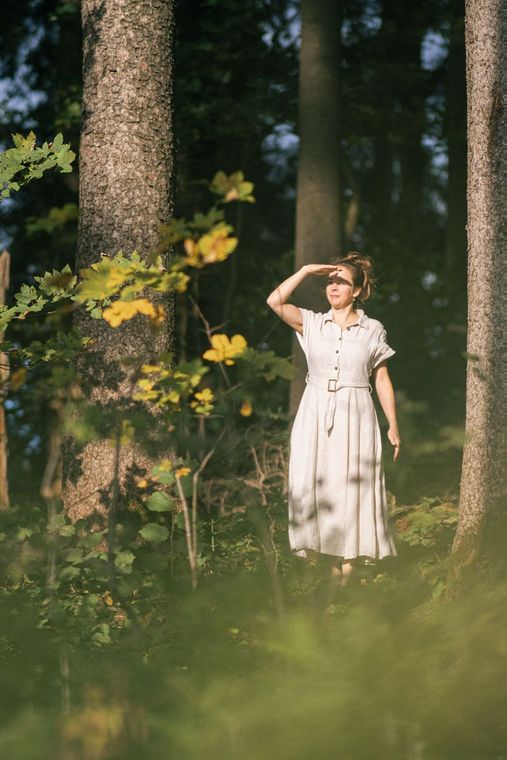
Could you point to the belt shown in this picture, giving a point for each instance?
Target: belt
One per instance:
(332, 385)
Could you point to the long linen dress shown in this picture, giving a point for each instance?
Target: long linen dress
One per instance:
(336, 487)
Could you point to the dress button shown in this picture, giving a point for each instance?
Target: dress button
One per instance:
(336, 367)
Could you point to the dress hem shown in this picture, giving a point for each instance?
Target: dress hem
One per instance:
(302, 553)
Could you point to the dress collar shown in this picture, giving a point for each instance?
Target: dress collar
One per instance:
(362, 321)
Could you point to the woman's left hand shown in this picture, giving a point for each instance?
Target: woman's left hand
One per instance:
(394, 438)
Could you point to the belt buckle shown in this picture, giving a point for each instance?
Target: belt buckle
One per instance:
(332, 380)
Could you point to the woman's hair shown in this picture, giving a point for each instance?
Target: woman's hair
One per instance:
(361, 269)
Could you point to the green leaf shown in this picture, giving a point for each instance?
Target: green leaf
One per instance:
(159, 502)
(74, 555)
(154, 532)
(67, 530)
(101, 635)
(55, 522)
(24, 533)
(124, 560)
(57, 142)
(70, 572)
(92, 539)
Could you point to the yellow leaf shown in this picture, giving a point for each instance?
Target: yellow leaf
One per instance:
(246, 408)
(146, 385)
(18, 378)
(239, 343)
(181, 472)
(203, 401)
(192, 251)
(173, 397)
(159, 317)
(232, 188)
(205, 395)
(232, 195)
(145, 307)
(145, 396)
(217, 245)
(121, 311)
(224, 349)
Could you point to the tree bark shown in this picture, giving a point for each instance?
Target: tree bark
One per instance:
(4, 378)
(318, 179)
(479, 543)
(126, 182)
(455, 120)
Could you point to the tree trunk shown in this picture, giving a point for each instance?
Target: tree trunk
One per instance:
(126, 169)
(455, 120)
(411, 28)
(318, 185)
(379, 190)
(480, 539)
(4, 377)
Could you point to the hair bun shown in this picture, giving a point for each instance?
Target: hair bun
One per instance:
(365, 262)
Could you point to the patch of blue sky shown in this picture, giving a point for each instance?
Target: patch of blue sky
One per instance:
(17, 95)
(428, 280)
(433, 50)
(291, 32)
(280, 147)
(370, 21)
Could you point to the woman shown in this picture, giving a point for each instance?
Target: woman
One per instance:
(337, 498)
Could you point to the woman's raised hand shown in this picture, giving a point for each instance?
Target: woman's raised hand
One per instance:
(322, 269)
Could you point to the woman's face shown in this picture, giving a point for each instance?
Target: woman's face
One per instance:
(340, 290)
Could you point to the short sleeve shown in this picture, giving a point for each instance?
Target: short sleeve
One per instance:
(308, 324)
(380, 350)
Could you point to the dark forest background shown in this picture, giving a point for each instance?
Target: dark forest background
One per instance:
(403, 156)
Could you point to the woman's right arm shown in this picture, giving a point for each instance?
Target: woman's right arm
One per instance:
(276, 300)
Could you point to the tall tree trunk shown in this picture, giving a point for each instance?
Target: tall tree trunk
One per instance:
(455, 269)
(318, 179)
(126, 168)
(455, 128)
(481, 535)
(379, 190)
(411, 107)
(4, 378)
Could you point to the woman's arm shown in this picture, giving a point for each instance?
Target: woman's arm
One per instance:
(287, 311)
(385, 392)
(277, 299)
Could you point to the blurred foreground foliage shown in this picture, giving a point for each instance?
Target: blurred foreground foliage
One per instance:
(255, 663)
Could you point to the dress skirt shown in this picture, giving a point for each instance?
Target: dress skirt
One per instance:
(337, 497)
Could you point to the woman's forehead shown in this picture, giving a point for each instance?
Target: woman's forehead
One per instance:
(338, 274)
